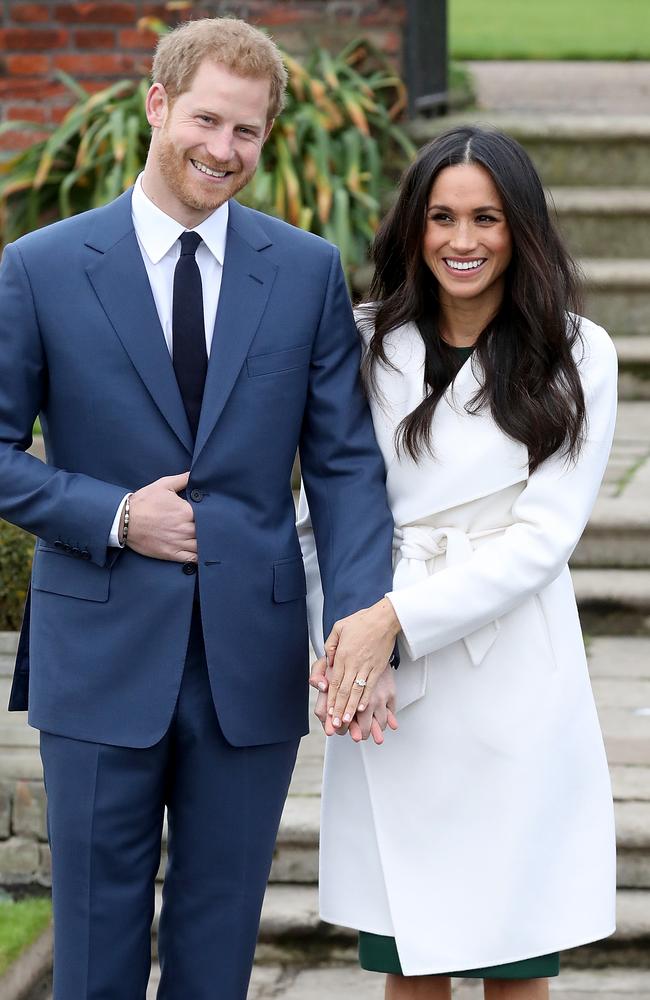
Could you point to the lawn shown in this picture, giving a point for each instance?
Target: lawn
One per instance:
(20, 924)
(552, 29)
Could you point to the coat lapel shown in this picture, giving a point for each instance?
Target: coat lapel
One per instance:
(472, 457)
(120, 281)
(245, 288)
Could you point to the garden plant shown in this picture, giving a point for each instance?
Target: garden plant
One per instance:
(330, 156)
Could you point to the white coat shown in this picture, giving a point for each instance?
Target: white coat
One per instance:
(482, 831)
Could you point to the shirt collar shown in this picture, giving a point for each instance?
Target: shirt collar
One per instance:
(157, 231)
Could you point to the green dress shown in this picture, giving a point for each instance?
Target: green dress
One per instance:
(378, 953)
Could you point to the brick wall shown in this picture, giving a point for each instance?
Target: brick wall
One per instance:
(97, 43)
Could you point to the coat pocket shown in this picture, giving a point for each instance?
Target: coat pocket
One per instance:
(57, 573)
(289, 582)
(278, 361)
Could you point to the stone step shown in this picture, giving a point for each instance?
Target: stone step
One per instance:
(617, 536)
(597, 222)
(271, 981)
(617, 293)
(295, 860)
(291, 930)
(633, 367)
(613, 601)
(568, 150)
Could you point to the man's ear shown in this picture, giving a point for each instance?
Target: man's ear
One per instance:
(157, 105)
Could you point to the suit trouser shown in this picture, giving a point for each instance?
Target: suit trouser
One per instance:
(105, 817)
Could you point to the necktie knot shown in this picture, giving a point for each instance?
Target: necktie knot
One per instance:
(189, 243)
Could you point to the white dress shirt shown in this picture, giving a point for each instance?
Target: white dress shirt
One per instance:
(158, 237)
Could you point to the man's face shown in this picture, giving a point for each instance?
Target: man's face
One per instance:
(207, 143)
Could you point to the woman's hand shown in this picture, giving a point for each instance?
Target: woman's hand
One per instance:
(372, 721)
(358, 649)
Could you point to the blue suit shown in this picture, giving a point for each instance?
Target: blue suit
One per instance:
(106, 648)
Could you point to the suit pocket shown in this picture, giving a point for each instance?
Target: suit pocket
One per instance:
(278, 361)
(289, 582)
(56, 573)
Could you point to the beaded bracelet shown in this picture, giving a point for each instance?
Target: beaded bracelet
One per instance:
(125, 526)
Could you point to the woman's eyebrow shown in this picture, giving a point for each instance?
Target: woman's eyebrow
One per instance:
(481, 208)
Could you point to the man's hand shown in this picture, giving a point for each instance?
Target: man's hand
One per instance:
(359, 648)
(161, 524)
(372, 721)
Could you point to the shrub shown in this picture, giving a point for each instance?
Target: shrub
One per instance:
(16, 551)
(332, 153)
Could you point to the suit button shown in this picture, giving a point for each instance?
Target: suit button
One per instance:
(85, 554)
(58, 544)
(196, 496)
(189, 568)
(76, 552)
(66, 547)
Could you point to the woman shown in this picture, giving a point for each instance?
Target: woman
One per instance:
(479, 840)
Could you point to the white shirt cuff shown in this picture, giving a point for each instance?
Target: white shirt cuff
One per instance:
(114, 537)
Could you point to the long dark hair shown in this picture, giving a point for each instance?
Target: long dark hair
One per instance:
(530, 378)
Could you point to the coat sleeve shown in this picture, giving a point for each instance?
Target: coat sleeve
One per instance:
(55, 504)
(312, 572)
(549, 517)
(342, 467)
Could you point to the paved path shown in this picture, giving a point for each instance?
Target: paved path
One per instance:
(345, 981)
(558, 87)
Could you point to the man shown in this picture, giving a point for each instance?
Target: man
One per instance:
(179, 347)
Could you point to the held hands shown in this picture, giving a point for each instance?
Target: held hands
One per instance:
(358, 649)
(374, 719)
(161, 525)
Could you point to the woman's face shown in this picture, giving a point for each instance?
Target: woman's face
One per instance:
(467, 244)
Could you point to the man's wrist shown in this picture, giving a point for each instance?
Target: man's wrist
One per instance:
(115, 537)
(124, 521)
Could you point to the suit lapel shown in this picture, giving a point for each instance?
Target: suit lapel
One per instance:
(120, 281)
(245, 288)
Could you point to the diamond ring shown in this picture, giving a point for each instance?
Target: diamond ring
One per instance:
(361, 682)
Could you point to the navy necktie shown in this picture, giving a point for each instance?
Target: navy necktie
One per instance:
(188, 330)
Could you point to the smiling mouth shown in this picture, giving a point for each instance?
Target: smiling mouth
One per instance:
(464, 266)
(209, 172)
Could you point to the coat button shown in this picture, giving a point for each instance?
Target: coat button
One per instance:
(189, 568)
(58, 544)
(66, 547)
(196, 496)
(85, 554)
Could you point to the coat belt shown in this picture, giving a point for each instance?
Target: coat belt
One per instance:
(418, 544)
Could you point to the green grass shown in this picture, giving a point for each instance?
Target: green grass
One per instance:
(20, 924)
(551, 29)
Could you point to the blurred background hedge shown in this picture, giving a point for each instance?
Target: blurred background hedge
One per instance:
(16, 550)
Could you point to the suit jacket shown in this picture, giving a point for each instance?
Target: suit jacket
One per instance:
(81, 344)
